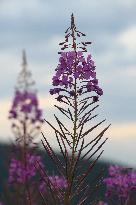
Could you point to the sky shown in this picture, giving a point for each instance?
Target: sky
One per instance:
(39, 25)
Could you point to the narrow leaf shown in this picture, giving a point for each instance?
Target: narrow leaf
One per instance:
(92, 128)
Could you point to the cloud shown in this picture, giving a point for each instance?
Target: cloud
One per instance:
(123, 130)
(5, 124)
(10, 66)
(121, 149)
(128, 39)
(16, 8)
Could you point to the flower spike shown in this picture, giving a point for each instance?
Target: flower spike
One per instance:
(77, 88)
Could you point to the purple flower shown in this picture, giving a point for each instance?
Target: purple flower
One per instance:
(95, 98)
(57, 182)
(56, 81)
(19, 172)
(55, 90)
(12, 114)
(98, 90)
(72, 93)
(73, 65)
(121, 181)
(25, 103)
(90, 87)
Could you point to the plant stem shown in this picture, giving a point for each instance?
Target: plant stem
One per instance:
(67, 199)
(28, 194)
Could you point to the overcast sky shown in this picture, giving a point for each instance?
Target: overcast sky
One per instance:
(39, 25)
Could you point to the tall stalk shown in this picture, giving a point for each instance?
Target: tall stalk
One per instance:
(26, 122)
(77, 88)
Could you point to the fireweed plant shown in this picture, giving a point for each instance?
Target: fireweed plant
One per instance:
(120, 185)
(77, 89)
(26, 118)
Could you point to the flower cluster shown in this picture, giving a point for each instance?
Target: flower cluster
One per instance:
(57, 182)
(27, 103)
(73, 65)
(120, 181)
(21, 173)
